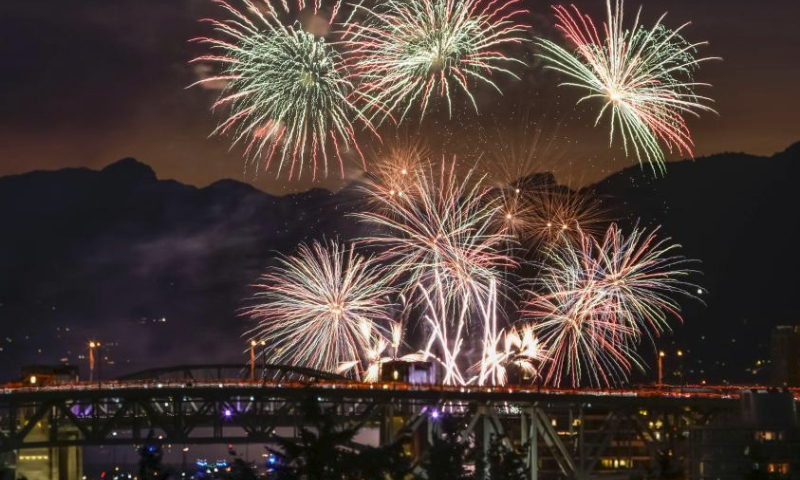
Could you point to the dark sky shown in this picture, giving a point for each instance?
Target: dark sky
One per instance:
(86, 82)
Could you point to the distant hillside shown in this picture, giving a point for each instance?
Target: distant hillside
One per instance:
(157, 270)
(107, 255)
(738, 214)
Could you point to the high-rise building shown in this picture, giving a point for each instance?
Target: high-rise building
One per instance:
(785, 353)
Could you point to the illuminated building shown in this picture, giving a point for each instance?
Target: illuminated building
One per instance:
(763, 443)
(46, 463)
(422, 373)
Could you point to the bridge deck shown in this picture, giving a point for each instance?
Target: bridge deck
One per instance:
(331, 389)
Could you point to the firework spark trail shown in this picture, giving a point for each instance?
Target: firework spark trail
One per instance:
(447, 342)
(491, 364)
(492, 367)
(598, 299)
(441, 232)
(643, 76)
(503, 348)
(321, 307)
(286, 90)
(407, 52)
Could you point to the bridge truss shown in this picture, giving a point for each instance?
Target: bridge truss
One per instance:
(557, 433)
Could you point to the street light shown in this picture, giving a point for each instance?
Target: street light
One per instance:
(253, 344)
(92, 346)
(263, 344)
(680, 365)
(661, 356)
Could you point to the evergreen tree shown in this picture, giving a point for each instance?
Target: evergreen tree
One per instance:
(322, 451)
(447, 456)
(325, 450)
(503, 463)
(383, 463)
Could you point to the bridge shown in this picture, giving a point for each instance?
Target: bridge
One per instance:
(559, 432)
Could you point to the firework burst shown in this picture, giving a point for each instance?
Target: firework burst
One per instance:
(441, 232)
(515, 217)
(597, 299)
(557, 212)
(286, 92)
(322, 307)
(394, 170)
(407, 52)
(643, 76)
(537, 212)
(507, 350)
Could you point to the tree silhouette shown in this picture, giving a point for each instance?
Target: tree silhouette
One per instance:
(383, 463)
(322, 450)
(150, 461)
(447, 456)
(325, 450)
(503, 463)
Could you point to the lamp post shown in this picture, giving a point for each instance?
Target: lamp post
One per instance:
(253, 344)
(263, 344)
(661, 356)
(680, 365)
(92, 346)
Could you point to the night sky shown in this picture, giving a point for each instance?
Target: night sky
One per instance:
(84, 83)
(87, 82)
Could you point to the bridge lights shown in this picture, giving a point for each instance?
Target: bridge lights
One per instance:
(435, 414)
(227, 413)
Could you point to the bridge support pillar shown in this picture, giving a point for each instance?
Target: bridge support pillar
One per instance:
(388, 432)
(529, 438)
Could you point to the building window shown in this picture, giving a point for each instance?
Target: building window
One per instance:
(616, 463)
(778, 468)
(33, 458)
(768, 436)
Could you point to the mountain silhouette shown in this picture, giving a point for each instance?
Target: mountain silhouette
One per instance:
(157, 270)
(736, 213)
